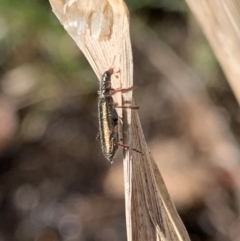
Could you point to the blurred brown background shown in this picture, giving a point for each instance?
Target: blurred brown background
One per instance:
(54, 182)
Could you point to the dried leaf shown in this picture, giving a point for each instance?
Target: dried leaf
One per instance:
(101, 30)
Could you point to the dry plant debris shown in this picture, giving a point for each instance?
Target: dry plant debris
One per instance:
(220, 22)
(100, 28)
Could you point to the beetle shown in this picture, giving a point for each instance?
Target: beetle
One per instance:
(108, 117)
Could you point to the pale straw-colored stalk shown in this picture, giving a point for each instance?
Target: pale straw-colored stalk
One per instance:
(100, 28)
(220, 22)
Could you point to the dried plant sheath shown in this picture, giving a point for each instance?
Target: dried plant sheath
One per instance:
(162, 213)
(101, 30)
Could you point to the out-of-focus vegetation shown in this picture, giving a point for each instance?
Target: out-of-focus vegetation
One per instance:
(55, 183)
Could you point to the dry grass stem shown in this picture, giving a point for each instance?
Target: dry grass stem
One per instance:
(101, 30)
(219, 19)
